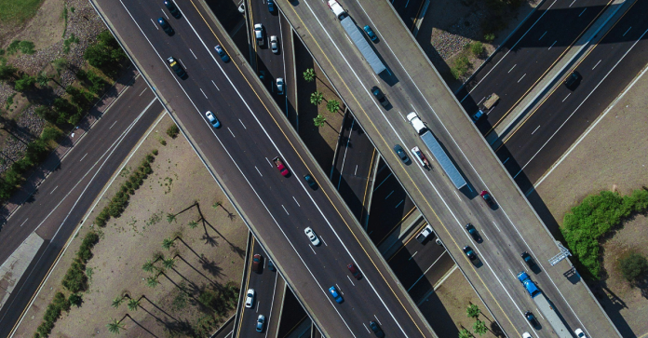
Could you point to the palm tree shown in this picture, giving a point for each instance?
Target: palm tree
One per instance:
(117, 301)
(42, 79)
(115, 326)
(316, 98)
(480, 327)
(473, 311)
(333, 106)
(167, 243)
(192, 224)
(169, 263)
(171, 218)
(148, 266)
(319, 120)
(465, 334)
(309, 75)
(152, 282)
(217, 204)
(133, 304)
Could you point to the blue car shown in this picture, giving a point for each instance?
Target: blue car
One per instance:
(165, 26)
(370, 33)
(336, 295)
(222, 53)
(271, 6)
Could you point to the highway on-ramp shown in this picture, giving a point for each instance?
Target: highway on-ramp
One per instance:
(240, 155)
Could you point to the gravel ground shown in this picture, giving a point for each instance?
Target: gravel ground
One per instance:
(85, 24)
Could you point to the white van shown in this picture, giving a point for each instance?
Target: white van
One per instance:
(337, 9)
(416, 122)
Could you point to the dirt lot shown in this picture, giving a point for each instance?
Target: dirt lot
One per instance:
(212, 255)
(448, 304)
(611, 157)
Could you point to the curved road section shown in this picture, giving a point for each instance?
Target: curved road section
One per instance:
(240, 155)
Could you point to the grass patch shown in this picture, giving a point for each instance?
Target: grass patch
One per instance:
(18, 11)
(460, 67)
(593, 219)
(25, 47)
(65, 18)
(68, 42)
(10, 101)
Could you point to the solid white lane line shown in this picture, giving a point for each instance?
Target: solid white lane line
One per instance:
(626, 32)
(214, 83)
(566, 97)
(257, 169)
(581, 13)
(205, 95)
(230, 130)
(53, 189)
(552, 44)
(534, 130)
(296, 201)
(287, 213)
(542, 36)
(112, 125)
(84, 156)
(25, 221)
(192, 53)
(596, 65)
(521, 78)
(242, 124)
(389, 194)
(443, 279)
(506, 73)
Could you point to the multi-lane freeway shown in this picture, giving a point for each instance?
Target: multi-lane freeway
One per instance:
(240, 154)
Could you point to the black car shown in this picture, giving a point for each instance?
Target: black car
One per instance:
(531, 318)
(376, 329)
(469, 252)
(172, 8)
(401, 153)
(473, 232)
(177, 68)
(529, 260)
(380, 96)
(573, 80)
(165, 26)
(311, 182)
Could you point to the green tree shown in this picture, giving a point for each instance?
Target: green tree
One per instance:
(473, 311)
(152, 282)
(633, 266)
(76, 299)
(148, 266)
(192, 224)
(116, 302)
(168, 243)
(7, 72)
(60, 64)
(477, 48)
(168, 263)
(309, 75)
(24, 83)
(480, 327)
(333, 106)
(463, 333)
(114, 326)
(105, 54)
(319, 120)
(171, 218)
(42, 79)
(217, 204)
(133, 304)
(316, 98)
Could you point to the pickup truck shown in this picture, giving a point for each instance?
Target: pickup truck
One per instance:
(424, 234)
(420, 157)
(280, 166)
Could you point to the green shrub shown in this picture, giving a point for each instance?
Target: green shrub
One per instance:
(27, 47)
(461, 67)
(477, 48)
(75, 279)
(149, 158)
(633, 267)
(589, 221)
(75, 299)
(13, 47)
(173, 131)
(490, 37)
(51, 134)
(154, 152)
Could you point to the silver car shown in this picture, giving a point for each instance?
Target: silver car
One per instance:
(260, 323)
(280, 85)
(274, 44)
(259, 34)
(249, 299)
(312, 236)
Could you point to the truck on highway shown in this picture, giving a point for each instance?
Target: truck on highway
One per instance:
(357, 37)
(423, 235)
(437, 151)
(544, 306)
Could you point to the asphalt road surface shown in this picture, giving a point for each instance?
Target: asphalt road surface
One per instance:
(548, 131)
(65, 196)
(240, 154)
(528, 54)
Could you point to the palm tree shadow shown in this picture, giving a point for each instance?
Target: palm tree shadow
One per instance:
(138, 324)
(204, 263)
(158, 308)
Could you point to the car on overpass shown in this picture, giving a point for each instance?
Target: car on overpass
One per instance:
(221, 53)
(376, 329)
(312, 236)
(165, 26)
(259, 34)
(249, 298)
(177, 68)
(336, 295)
(212, 119)
(470, 253)
(402, 154)
(172, 8)
(486, 196)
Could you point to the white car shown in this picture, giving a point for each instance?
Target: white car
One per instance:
(259, 34)
(280, 85)
(526, 335)
(579, 333)
(212, 119)
(274, 44)
(249, 300)
(312, 236)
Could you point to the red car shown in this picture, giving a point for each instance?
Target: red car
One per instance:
(257, 263)
(487, 198)
(282, 168)
(354, 271)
